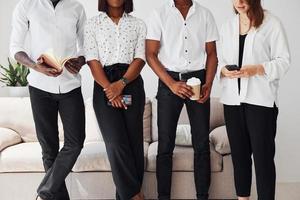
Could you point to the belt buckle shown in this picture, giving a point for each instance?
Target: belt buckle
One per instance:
(180, 76)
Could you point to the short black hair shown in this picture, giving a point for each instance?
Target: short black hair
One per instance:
(103, 6)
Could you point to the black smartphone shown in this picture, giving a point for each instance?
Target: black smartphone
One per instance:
(232, 68)
(127, 99)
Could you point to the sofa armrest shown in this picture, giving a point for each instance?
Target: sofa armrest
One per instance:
(8, 138)
(218, 137)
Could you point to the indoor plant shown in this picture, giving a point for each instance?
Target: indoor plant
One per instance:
(15, 79)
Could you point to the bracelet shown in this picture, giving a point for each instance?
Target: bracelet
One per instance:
(124, 81)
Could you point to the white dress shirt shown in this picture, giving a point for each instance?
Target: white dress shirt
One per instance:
(112, 43)
(182, 41)
(267, 46)
(59, 29)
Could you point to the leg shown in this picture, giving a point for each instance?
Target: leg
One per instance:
(199, 118)
(240, 148)
(45, 113)
(169, 107)
(261, 123)
(120, 155)
(134, 123)
(71, 109)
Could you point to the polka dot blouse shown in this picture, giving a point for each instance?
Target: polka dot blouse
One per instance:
(112, 43)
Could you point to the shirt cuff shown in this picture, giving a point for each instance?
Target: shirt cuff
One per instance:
(15, 50)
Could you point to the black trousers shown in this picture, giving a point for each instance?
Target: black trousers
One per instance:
(169, 109)
(251, 130)
(122, 132)
(58, 164)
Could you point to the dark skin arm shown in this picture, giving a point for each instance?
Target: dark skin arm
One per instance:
(179, 88)
(114, 90)
(25, 60)
(211, 68)
(74, 65)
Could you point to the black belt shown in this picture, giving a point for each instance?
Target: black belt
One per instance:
(185, 76)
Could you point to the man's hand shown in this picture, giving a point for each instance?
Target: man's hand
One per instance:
(114, 90)
(181, 89)
(47, 70)
(74, 65)
(205, 93)
(118, 103)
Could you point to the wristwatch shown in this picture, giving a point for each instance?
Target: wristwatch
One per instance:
(125, 81)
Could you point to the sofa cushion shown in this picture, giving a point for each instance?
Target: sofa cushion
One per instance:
(218, 137)
(216, 116)
(24, 157)
(93, 157)
(183, 135)
(16, 114)
(8, 137)
(27, 157)
(183, 159)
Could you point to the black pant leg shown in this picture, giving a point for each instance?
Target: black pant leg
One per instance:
(169, 107)
(199, 115)
(71, 109)
(134, 123)
(240, 148)
(261, 123)
(45, 113)
(115, 135)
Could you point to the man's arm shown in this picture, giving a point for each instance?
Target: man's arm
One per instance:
(177, 87)
(20, 28)
(75, 65)
(211, 69)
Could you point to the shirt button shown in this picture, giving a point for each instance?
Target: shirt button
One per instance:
(185, 37)
(185, 24)
(186, 51)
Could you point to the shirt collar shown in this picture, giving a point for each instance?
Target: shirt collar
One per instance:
(172, 3)
(125, 15)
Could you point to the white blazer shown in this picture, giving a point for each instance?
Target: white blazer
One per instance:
(267, 46)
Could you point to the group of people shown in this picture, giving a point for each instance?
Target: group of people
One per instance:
(178, 41)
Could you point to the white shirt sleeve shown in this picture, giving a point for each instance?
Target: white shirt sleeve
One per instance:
(221, 61)
(140, 47)
(154, 30)
(20, 28)
(80, 33)
(279, 64)
(90, 42)
(211, 28)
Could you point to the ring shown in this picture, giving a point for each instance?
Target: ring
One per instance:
(122, 101)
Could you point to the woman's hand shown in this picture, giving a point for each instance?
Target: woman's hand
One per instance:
(118, 102)
(229, 74)
(114, 90)
(251, 70)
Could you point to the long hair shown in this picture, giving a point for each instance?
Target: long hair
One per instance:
(255, 12)
(103, 6)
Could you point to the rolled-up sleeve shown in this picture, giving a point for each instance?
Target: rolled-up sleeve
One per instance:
(280, 61)
(154, 30)
(140, 46)
(20, 28)
(90, 42)
(80, 32)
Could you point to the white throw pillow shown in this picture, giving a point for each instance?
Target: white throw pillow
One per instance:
(183, 135)
(8, 138)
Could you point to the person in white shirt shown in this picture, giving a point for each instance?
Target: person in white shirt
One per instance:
(39, 26)
(114, 43)
(180, 44)
(253, 56)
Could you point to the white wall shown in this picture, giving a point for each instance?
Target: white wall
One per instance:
(288, 136)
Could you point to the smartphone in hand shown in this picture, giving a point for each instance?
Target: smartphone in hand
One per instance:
(127, 99)
(232, 68)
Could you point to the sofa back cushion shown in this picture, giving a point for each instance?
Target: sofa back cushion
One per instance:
(216, 116)
(16, 114)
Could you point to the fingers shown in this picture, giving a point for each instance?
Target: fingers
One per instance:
(71, 67)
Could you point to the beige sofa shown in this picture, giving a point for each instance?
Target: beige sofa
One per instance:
(21, 167)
